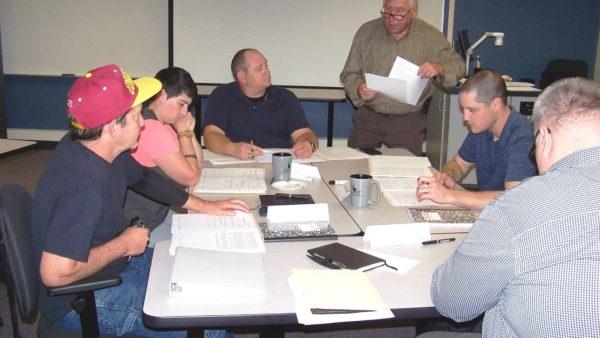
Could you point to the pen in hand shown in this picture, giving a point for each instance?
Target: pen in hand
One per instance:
(439, 241)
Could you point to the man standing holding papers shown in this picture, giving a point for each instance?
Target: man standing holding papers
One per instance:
(380, 119)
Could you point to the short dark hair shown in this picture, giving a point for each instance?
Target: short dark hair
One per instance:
(239, 61)
(488, 85)
(91, 134)
(175, 81)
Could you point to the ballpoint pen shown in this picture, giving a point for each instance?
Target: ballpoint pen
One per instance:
(438, 241)
(332, 182)
(291, 197)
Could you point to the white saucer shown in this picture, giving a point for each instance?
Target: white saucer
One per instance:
(288, 185)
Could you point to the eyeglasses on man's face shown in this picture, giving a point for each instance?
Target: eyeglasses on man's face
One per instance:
(387, 13)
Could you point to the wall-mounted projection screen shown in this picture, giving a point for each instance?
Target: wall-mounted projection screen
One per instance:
(53, 37)
(305, 42)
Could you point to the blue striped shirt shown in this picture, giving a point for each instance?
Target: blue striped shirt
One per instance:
(532, 259)
(502, 160)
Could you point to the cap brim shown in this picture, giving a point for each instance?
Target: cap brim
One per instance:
(147, 87)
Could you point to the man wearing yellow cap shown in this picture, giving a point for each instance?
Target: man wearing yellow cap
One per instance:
(79, 227)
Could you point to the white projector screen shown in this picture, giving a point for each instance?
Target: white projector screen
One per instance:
(305, 42)
(54, 37)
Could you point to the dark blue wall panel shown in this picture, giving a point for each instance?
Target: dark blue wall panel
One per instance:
(536, 31)
(37, 102)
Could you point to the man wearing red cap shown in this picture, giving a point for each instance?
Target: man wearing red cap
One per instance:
(79, 227)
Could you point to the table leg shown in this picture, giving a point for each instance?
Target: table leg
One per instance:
(330, 124)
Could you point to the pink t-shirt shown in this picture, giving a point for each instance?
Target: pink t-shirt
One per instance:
(156, 140)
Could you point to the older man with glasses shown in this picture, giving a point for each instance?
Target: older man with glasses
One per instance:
(381, 119)
(531, 261)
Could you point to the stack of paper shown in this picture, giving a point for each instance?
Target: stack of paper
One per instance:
(341, 153)
(216, 274)
(216, 256)
(399, 166)
(232, 181)
(333, 296)
(266, 157)
(239, 233)
(398, 178)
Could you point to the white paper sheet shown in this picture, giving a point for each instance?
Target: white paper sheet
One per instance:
(232, 180)
(396, 234)
(238, 233)
(403, 84)
(318, 212)
(304, 172)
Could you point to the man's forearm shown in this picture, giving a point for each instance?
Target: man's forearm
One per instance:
(218, 143)
(453, 170)
(64, 271)
(472, 199)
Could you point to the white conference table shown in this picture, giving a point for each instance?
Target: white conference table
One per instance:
(406, 294)
(340, 220)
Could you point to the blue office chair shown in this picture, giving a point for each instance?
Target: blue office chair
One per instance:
(17, 259)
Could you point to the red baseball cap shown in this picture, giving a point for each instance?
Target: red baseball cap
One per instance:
(106, 93)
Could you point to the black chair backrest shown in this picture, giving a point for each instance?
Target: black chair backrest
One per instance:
(562, 68)
(15, 233)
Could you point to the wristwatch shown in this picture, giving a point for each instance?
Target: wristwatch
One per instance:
(186, 133)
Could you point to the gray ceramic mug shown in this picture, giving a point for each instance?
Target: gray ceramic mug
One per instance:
(361, 190)
(282, 164)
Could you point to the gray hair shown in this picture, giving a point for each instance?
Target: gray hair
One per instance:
(411, 3)
(487, 85)
(566, 101)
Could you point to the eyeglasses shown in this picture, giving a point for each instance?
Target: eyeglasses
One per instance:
(394, 16)
(533, 147)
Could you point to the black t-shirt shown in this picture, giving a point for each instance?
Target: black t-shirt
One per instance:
(79, 205)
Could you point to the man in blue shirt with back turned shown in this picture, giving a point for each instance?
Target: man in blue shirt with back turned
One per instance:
(497, 145)
(244, 116)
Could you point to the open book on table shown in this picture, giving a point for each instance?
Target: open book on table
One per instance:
(399, 166)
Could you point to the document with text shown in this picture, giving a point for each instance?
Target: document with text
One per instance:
(399, 166)
(238, 233)
(232, 180)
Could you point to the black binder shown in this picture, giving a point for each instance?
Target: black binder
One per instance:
(340, 256)
(282, 199)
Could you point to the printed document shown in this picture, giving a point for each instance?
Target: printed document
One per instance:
(232, 180)
(403, 84)
(399, 166)
(239, 233)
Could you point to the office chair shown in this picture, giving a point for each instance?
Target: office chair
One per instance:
(22, 274)
(562, 68)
